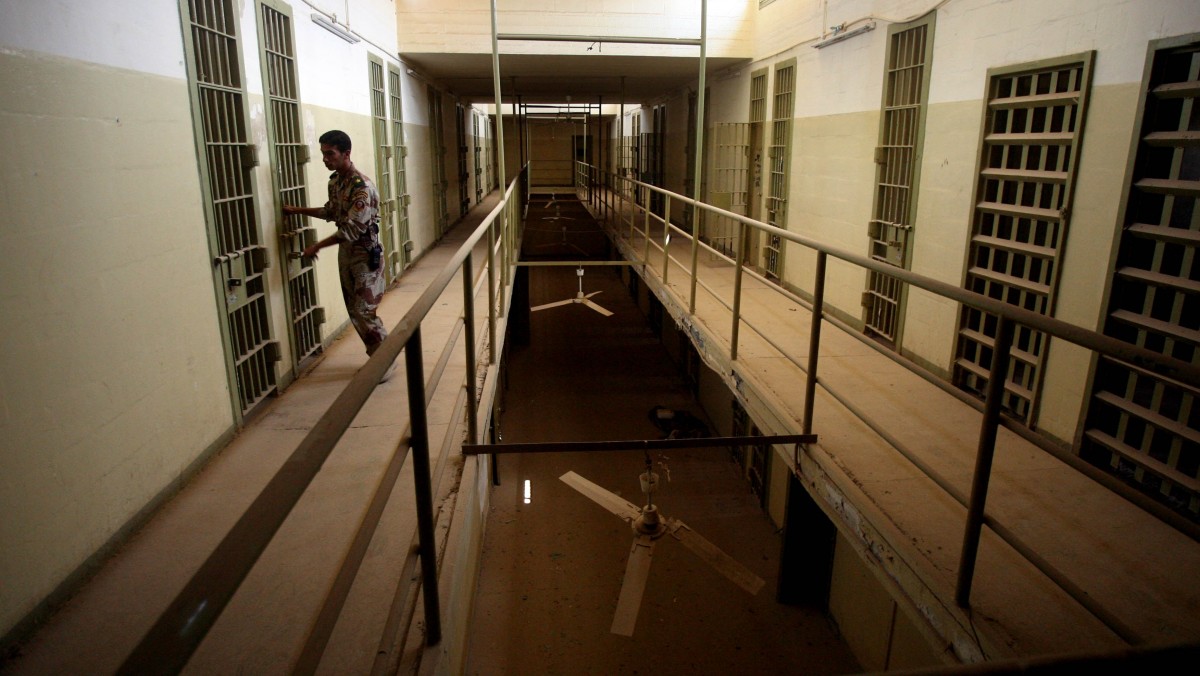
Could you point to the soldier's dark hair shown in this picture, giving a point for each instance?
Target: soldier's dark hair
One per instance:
(336, 138)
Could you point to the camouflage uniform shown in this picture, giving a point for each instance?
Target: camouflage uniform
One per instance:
(354, 207)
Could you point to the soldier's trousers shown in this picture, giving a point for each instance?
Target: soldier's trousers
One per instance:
(362, 289)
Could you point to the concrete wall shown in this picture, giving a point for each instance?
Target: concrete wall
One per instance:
(113, 381)
(465, 26)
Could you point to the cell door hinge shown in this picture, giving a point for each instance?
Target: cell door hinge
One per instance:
(403, 151)
(866, 299)
(302, 155)
(387, 152)
(880, 155)
(318, 315)
(249, 156)
(271, 351)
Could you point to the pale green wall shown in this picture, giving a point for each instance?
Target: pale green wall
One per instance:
(113, 377)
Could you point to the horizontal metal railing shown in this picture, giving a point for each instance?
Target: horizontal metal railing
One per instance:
(178, 631)
(623, 202)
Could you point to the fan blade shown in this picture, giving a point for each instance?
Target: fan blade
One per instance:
(722, 562)
(554, 304)
(610, 501)
(593, 293)
(637, 569)
(597, 308)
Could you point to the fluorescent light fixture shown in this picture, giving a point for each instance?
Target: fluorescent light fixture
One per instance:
(527, 492)
(332, 26)
(846, 35)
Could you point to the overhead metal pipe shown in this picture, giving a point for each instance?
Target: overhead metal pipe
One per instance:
(530, 37)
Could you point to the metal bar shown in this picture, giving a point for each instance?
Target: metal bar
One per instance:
(635, 444)
(737, 295)
(983, 461)
(531, 37)
(814, 341)
(1152, 361)
(573, 264)
(423, 488)
(698, 156)
(469, 327)
(666, 243)
(491, 273)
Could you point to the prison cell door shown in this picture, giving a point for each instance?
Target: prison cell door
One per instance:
(460, 135)
(730, 185)
(288, 152)
(399, 258)
(779, 156)
(214, 63)
(898, 158)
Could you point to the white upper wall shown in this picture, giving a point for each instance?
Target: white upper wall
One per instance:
(465, 26)
(104, 32)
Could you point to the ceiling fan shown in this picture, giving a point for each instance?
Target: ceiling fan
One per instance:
(648, 527)
(579, 298)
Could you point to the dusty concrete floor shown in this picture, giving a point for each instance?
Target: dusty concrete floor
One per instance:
(552, 568)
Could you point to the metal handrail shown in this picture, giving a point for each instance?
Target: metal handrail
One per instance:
(178, 631)
(1187, 374)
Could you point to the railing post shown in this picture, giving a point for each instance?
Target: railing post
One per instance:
(419, 447)
(737, 293)
(504, 263)
(814, 342)
(469, 330)
(697, 215)
(667, 242)
(994, 396)
(491, 264)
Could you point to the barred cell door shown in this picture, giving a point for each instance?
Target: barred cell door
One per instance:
(779, 155)
(477, 144)
(1140, 425)
(285, 136)
(437, 161)
(460, 136)
(383, 168)
(890, 230)
(1033, 127)
(219, 113)
(730, 184)
(398, 259)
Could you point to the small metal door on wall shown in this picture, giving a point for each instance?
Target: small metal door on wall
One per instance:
(289, 153)
(239, 257)
(890, 230)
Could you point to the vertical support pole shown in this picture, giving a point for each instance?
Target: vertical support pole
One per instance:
(814, 342)
(814, 347)
(469, 337)
(419, 446)
(646, 215)
(737, 294)
(503, 160)
(699, 154)
(983, 462)
(667, 241)
(491, 273)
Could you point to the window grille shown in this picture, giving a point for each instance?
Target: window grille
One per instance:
(1141, 425)
(289, 154)
(1032, 128)
(891, 227)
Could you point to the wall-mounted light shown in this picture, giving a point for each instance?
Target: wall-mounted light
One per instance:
(840, 34)
(332, 26)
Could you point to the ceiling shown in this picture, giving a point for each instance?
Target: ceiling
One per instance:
(544, 78)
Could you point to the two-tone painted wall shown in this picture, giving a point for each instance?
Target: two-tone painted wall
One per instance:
(114, 385)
